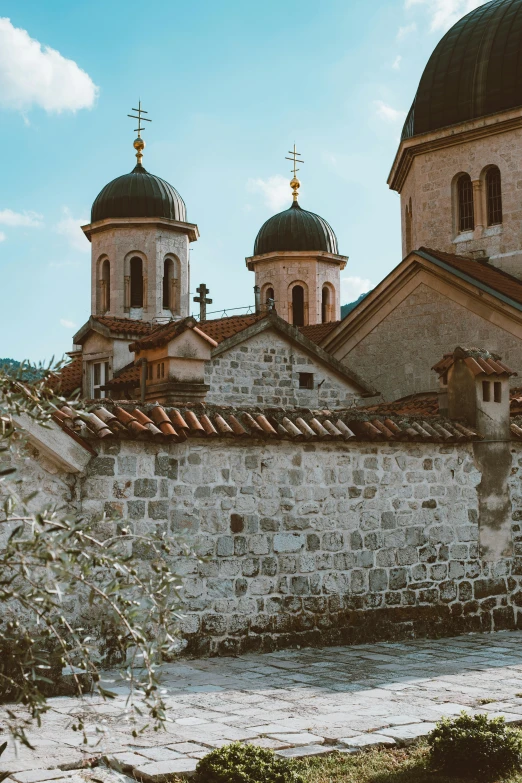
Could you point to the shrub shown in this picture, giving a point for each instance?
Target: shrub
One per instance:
(238, 763)
(475, 747)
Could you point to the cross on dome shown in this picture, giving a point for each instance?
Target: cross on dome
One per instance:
(139, 144)
(294, 184)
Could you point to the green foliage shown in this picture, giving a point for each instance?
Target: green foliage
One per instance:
(56, 567)
(22, 370)
(238, 763)
(475, 747)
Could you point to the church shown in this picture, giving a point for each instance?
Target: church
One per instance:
(343, 480)
(458, 171)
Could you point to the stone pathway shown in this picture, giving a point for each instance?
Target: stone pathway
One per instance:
(297, 702)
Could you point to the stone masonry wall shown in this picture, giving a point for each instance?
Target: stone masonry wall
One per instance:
(265, 371)
(307, 544)
(424, 327)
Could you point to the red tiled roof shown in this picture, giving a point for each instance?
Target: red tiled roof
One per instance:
(69, 378)
(424, 404)
(126, 420)
(223, 328)
(128, 376)
(125, 325)
(479, 361)
(483, 272)
(316, 332)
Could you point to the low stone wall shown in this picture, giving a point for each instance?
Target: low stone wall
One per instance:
(307, 544)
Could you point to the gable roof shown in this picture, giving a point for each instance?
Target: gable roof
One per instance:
(110, 327)
(68, 379)
(482, 276)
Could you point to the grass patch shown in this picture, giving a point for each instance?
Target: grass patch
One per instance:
(486, 701)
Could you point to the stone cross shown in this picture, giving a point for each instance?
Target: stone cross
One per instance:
(203, 301)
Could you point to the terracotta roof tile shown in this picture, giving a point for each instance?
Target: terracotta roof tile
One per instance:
(130, 375)
(478, 360)
(485, 273)
(125, 325)
(130, 421)
(223, 328)
(69, 378)
(317, 332)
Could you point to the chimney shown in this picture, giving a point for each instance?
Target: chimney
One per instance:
(474, 387)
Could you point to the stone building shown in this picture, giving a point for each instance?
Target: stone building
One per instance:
(458, 171)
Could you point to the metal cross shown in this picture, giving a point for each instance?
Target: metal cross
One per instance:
(294, 158)
(203, 301)
(140, 111)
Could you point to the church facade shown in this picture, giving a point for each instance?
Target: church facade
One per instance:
(343, 480)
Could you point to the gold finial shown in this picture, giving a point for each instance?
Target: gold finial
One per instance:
(295, 184)
(139, 144)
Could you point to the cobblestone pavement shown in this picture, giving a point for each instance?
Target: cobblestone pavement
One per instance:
(297, 702)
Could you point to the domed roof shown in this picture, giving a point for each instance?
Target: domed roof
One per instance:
(475, 70)
(295, 229)
(138, 194)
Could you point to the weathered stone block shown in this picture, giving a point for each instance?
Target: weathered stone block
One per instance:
(145, 488)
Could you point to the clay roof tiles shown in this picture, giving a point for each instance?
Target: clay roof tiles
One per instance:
(485, 273)
(317, 332)
(124, 325)
(151, 422)
(69, 378)
(479, 361)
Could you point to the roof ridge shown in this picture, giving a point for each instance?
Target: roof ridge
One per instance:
(473, 261)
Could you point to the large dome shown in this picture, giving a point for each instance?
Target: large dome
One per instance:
(295, 229)
(475, 70)
(138, 194)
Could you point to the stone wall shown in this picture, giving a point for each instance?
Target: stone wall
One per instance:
(426, 325)
(316, 543)
(265, 371)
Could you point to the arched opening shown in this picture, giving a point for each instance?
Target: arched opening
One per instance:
(325, 305)
(168, 270)
(106, 286)
(298, 305)
(466, 218)
(269, 298)
(494, 196)
(136, 282)
(408, 226)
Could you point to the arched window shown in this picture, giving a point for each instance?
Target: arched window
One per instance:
(494, 196)
(168, 268)
(325, 305)
(298, 305)
(466, 219)
(269, 296)
(106, 286)
(136, 282)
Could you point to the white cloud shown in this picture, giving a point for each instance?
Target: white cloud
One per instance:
(2, 236)
(403, 32)
(28, 219)
(67, 324)
(36, 75)
(397, 63)
(275, 190)
(388, 113)
(353, 287)
(444, 13)
(69, 227)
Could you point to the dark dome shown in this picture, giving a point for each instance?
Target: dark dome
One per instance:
(475, 70)
(295, 229)
(138, 194)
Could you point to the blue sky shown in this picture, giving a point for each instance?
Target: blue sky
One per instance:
(229, 86)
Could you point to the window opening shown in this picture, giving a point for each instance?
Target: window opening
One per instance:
(136, 282)
(306, 380)
(465, 198)
(100, 376)
(494, 196)
(106, 286)
(497, 391)
(486, 391)
(325, 305)
(298, 305)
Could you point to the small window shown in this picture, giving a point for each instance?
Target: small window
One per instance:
(465, 203)
(306, 380)
(100, 376)
(136, 282)
(149, 372)
(497, 391)
(486, 391)
(445, 378)
(298, 305)
(270, 296)
(325, 305)
(494, 196)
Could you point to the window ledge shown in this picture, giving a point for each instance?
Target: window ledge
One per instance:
(492, 231)
(466, 236)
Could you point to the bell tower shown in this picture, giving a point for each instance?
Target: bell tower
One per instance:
(140, 241)
(297, 264)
